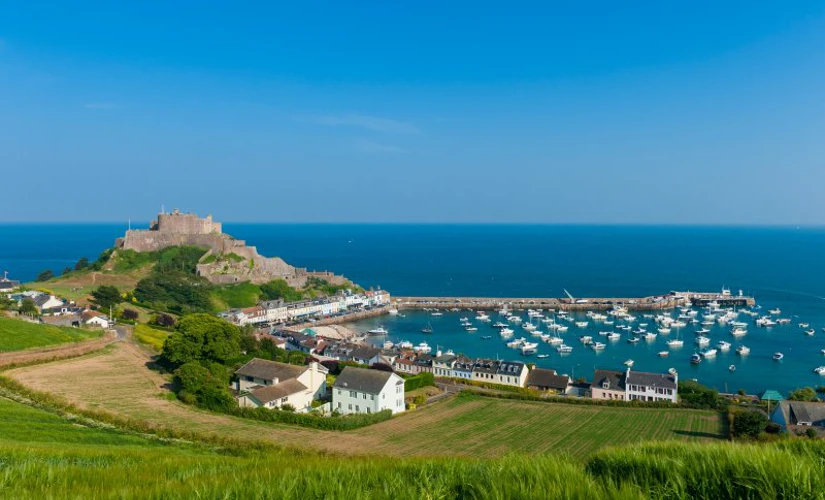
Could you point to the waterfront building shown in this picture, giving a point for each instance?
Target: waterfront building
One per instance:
(443, 365)
(359, 390)
(484, 370)
(511, 373)
(462, 368)
(608, 384)
(644, 386)
(542, 379)
(403, 363)
(271, 384)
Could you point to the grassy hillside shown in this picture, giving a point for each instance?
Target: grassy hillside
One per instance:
(151, 337)
(16, 335)
(46, 456)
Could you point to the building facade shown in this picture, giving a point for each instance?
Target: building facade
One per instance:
(360, 390)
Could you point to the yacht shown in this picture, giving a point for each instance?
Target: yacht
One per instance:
(529, 345)
(675, 343)
(543, 356)
(437, 313)
(581, 324)
(678, 324)
(804, 325)
(378, 331)
(555, 340)
(809, 332)
(529, 327)
(695, 359)
(819, 370)
(486, 337)
(471, 329)
(515, 319)
(664, 330)
(671, 371)
(614, 336)
(702, 341)
(709, 353)
(723, 346)
(743, 350)
(564, 349)
(608, 322)
(586, 339)
(640, 331)
(783, 321)
(427, 329)
(388, 345)
(775, 311)
(650, 336)
(499, 324)
(732, 368)
(702, 331)
(598, 346)
(422, 348)
(515, 344)
(393, 311)
(405, 344)
(633, 340)
(482, 317)
(664, 354)
(738, 332)
(506, 331)
(778, 356)
(561, 329)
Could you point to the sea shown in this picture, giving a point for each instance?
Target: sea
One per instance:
(782, 267)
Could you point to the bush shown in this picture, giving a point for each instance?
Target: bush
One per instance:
(773, 428)
(811, 432)
(45, 275)
(202, 337)
(421, 380)
(129, 314)
(333, 423)
(803, 394)
(748, 424)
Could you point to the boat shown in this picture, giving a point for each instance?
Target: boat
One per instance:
(499, 324)
(809, 332)
(422, 348)
(640, 331)
(514, 319)
(543, 356)
(504, 332)
(696, 359)
(804, 325)
(650, 336)
(608, 322)
(581, 324)
(515, 344)
(586, 339)
(598, 346)
(664, 354)
(628, 363)
(732, 368)
(778, 356)
(537, 333)
(482, 317)
(564, 349)
(633, 340)
(819, 370)
(378, 331)
(664, 331)
(671, 371)
(471, 329)
(675, 343)
(562, 329)
(393, 311)
(743, 350)
(554, 340)
(702, 331)
(614, 336)
(427, 329)
(702, 340)
(437, 313)
(529, 345)
(709, 353)
(465, 319)
(486, 337)
(738, 332)
(723, 346)
(775, 311)
(529, 327)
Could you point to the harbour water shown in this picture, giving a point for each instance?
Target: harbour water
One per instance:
(779, 266)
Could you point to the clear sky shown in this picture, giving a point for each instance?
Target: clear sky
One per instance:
(575, 112)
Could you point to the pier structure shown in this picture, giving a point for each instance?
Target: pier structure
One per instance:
(652, 303)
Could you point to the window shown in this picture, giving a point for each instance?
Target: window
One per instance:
(372, 397)
(353, 394)
(249, 379)
(339, 392)
(283, 401)
(350, 406)
(398, 389)
(357, 408)
(365, 395)
(368, 410)
(339, 404)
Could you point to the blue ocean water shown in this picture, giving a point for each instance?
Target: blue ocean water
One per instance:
(781, 266)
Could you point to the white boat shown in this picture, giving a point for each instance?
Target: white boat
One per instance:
(702, 331)
(809, 332)
(664, 354)
(529, 327)
(515, 319)
(664, 331)
(671, 371)
(675, 343)
(515, 344)
(628, 363)
(695, 359)
(804, 325)
(738, 332)
(564, 349)
(743, 350)
(562, 329)
(608, 322)
(581, 324)
(702, 341)
(640, 331)
(464, 319)
(499, 324)
(650, 336)
(482, 317)
(506, 331)
(427, 329)
(586, 339)
(778, 356)
(598, 346)
(709, 353)
(530, 345)
(678, 324)
(471, 329)
(555, 340)
(732, 368)
(405, 344)
(723, 346)
(775, 312)
(422, 348)
(437, 313)
(542, 356)
(819, 370)
(614, 336)
(393, 311)
(378, 331)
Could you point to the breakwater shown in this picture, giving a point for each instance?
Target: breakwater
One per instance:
(657, 302)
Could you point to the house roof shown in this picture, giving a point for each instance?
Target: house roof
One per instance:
(365, 352)
(616, 379)
(8, 284)
(265, 394)
(510, 367)
(363, 379)
(270, 370)
(771, 395)
(485, 366)
(89, 314)
(664, 380)
(539, 377)
(802, 411)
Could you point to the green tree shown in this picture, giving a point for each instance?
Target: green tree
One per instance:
(164, 320)
(698, 395)
(204, 337)
(66, 270)
(129, 314)
(28, 307)
(803, 394)
(279, 289)
(206, 387)
(106, 296)
(81, 264)
(45, 275)
(749, 424)
(6, 302)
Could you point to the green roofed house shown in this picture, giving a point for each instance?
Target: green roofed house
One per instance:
(771, 395)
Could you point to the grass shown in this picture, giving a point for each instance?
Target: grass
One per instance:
(119, 382)
(234, 296)
(16, 335)
(149, 336)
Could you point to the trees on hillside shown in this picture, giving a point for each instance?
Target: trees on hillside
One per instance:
(81, 264)
(202, 337)
(749, 424)
(698, 395)
(803, 394)
(45, 275)
(28, 307)
(106, 296)
(204, 386)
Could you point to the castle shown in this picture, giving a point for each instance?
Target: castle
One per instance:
(227, 260)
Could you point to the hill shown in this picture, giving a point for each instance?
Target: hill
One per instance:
(16, 335)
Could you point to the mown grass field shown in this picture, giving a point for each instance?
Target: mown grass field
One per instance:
(16, 335)
(118, 381)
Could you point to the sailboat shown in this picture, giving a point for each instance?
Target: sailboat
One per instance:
(427, 329)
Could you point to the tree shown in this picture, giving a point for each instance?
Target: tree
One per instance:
(749, 424)
(106, 296)
(45, 275)
(207, 387)
(803, 394)
(81, 264)
(6, 302)
(130, 314)
(165, 320)
(811, 432)
(698, 395)
(202, 337)
(28, 307)
(67, 270)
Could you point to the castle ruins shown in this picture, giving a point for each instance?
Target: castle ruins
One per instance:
(227, 260)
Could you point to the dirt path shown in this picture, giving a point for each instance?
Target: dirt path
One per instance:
(62, 351)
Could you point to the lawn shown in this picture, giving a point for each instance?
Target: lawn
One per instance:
(118, 381)
(16, 335)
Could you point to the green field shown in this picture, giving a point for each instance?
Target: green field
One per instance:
(16, 335)
(150, 336)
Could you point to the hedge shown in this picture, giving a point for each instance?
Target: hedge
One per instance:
(421, 380)
(344, 423)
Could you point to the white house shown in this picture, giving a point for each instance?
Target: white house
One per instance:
(270, 384)
(645, 386)
(276, 311)
(511, 373)
(359, 390)
(94, 318)
(45, 302)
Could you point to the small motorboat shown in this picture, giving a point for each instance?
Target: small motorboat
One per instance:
(598, 346)
(723, 345)
(664, 331)
(675, 343)
(819, 370)
(696, 359)
(427, 329)
(732, 368)
(671, 371)
(664, 354)
(378, 331)
(564, 349)
(543, 356)
(465, 319)
(709, 353)
(486, 337)
(775, 311)
(633, 340)
(809, 332)
(804, 325)
(629, 363)
(778, 356)
(743, 350)
(471, 329)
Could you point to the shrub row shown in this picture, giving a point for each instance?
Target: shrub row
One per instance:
(576, 401)
(421, 380)
(333, 423)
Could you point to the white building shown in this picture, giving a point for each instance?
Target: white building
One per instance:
(276, 311)
(94, 318)
(270, 384)
(359, 390)
(645, 386)
(511, 373)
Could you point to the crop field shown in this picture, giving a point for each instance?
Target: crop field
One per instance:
(118, 381)
(16, 335)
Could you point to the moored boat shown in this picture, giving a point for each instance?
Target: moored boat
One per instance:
(778, 356)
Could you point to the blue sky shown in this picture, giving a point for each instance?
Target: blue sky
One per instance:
(572, 112)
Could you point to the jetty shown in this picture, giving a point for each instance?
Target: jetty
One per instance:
(657, 302)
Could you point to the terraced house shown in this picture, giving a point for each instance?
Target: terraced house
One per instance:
(634, 386)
